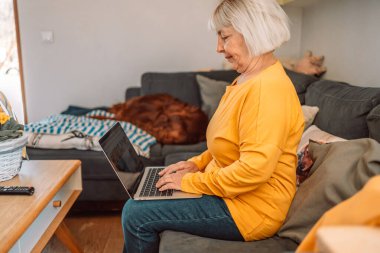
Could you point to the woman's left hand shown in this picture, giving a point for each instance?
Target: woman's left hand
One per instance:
(171, 181)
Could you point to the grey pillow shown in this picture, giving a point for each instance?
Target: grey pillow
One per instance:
(211, 93)
(373, 122)
(340, 170)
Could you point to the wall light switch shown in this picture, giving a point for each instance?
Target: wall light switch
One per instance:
(47, 36)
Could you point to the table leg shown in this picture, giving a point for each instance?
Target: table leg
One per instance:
(64, 235)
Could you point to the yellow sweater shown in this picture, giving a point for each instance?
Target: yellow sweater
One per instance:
(251, 157)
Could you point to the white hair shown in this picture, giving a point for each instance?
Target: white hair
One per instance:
(263, 23)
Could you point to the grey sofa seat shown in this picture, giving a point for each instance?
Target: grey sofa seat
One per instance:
(173, 242)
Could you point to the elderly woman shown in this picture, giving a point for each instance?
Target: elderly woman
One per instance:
(247, 174)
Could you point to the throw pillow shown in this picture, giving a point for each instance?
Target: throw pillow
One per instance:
(304, 165)
(211, 93)
(305, 162)
(309, 113)
(317, 135)
(340, 169)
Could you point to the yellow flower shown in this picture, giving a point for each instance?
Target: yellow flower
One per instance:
(3, 118)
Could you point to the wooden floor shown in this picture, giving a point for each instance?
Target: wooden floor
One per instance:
(95, 233)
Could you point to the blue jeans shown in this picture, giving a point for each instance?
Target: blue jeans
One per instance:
(207, 216)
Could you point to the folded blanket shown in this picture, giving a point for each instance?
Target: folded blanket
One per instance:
(67, 131)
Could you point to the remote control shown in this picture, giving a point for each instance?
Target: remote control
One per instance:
(16, 190)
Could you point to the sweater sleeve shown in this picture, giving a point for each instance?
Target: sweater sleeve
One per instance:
(201, 160)
(263, 127)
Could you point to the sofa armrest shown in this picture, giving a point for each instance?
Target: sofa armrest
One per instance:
(132, 92)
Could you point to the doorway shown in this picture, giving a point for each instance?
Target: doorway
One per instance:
(11, 78)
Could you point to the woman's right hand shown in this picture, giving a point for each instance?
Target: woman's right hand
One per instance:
(184, 166)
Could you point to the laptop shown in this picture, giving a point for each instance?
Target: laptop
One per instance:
(123, 158)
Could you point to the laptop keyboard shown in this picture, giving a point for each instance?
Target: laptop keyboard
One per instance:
(149, 188)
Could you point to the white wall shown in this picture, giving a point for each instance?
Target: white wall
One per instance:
(292, 48)
(102, 46)
(347, 33)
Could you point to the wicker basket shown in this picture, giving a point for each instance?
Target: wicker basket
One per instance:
(11, 157)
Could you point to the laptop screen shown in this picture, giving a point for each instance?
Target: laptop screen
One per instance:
(119, 150)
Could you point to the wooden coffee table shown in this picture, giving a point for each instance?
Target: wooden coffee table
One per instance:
(28, 222)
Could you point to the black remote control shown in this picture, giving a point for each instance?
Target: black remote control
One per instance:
(16, 190)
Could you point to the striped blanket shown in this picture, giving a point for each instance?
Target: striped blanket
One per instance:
(82, 132)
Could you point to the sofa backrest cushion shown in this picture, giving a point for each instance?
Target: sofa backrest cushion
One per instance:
(340, 170)
(181, 85)
(132, 92)
(211, 93)
(343, 108)
(300, 82)
(373, 122)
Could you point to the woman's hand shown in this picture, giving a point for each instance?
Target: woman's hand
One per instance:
(172, 175)
(171, 181)
(185, 166)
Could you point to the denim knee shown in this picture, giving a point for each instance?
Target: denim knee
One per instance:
(129, 214)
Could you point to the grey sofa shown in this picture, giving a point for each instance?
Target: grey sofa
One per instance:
(347, 111)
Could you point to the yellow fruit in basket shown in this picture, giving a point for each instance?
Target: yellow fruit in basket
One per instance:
(3, 117)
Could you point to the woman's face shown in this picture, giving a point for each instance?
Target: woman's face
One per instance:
(232, 44)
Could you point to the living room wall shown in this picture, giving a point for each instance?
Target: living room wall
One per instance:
(101, 47)
(346, 32)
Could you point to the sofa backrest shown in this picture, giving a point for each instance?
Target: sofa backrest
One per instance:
(182, 85)
(343, 108)
(301, 82)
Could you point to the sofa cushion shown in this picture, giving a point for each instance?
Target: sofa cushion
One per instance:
(181, 85)
(174, 242)
(373, 121)
(171, 149)
(317, 135)
(94, 163)
(300, 82)
(211, 93)
(132, 92)
(156, 150)
(343, 108)
(305, 162)
(340, 169)
(178, 157)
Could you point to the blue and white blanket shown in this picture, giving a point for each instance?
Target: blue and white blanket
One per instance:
(82, 132)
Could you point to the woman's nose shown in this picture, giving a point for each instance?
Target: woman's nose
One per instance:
(220, 46)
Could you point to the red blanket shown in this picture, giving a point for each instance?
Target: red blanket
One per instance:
(168, 119)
